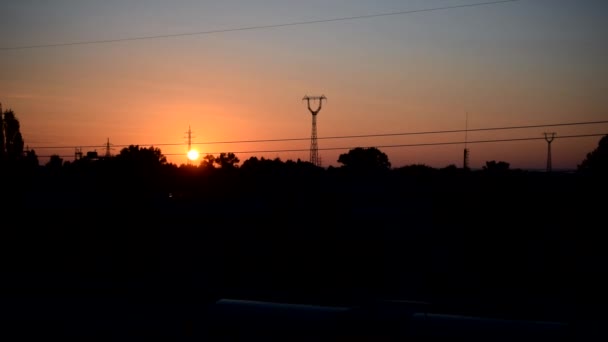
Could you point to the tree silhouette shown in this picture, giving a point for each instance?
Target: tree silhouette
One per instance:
(450, 168)
(141, 156)
(208, 162)
(496, 167)
(596, 160)
(416, 169)
(227, 160)
(365, 159)
(55, 162)
(11, 145)
(31, 159)
(138, 165)
(251, 163)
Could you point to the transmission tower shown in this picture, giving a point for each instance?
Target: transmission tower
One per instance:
(549, 138)
(78, 153)
(108, 149)
(189, 137)
(314, 148)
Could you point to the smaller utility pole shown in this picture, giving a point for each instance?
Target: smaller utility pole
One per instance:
(549, 138)
(465, 160)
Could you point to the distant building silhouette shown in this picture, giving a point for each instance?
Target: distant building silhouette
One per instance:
(92, 155)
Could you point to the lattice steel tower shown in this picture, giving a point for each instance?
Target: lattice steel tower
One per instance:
(314, 148)
(108, 149)
(189, 137)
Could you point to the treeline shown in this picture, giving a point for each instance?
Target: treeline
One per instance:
(497, 238)
(147, 170)
(144, 172)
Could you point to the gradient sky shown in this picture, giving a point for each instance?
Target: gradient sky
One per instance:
(521, 63)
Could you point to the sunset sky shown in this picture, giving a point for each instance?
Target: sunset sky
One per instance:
(526, 62)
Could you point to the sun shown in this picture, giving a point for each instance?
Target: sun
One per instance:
(193, 155)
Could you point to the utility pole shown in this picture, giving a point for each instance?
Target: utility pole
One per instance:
(549, 138)
(314, 148)
(465, 161)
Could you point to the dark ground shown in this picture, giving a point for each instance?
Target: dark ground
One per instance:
(108, 262)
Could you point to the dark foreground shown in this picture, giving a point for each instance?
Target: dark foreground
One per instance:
(96, 318)
(377, 257)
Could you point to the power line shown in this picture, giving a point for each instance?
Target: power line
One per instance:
(258, 27)
(348, 136)
(467, 130)
(425, 144)
(399, 145)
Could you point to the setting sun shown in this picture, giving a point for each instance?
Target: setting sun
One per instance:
(193, 155)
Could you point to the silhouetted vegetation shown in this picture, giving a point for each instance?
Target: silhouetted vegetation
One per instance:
(12, 152)
(227, 160)
(274, 229)
(365, 160)
(55, 163)
(496, 167)
(11, 146)
(18, 166)
(596, 161)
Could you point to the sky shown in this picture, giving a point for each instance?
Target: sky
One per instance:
(526, 62)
